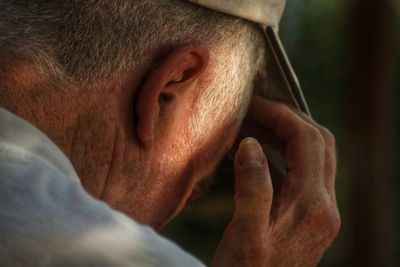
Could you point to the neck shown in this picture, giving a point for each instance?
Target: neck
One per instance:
(72, 122)
(40, 106)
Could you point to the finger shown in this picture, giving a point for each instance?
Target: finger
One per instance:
(305, 146)
(330, 159)
(262, 134)
(265, 136)
(253, 186)
(330, 152)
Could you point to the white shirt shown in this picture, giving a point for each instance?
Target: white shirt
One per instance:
(48, 219)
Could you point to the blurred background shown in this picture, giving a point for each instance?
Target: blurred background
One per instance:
(346, 54)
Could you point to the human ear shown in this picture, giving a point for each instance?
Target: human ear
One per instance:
(166, 87)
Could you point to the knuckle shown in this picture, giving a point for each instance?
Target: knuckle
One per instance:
(328, 136)
(334, 225)
(327, 217)
(315, 135)
(320, 219)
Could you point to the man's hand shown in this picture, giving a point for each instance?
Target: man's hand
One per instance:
(292, 219)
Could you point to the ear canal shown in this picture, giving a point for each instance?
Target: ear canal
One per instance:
(165, 98)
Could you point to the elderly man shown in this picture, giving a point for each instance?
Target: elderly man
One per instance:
(133, 103)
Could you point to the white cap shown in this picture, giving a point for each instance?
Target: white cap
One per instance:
(282, 85)
(264, 12)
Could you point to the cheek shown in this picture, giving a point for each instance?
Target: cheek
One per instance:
(174, 190)
(175, 171)
(154, 191)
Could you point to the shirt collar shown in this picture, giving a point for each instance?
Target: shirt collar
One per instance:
(16, 131)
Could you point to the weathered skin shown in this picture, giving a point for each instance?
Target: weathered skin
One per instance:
(136, 153)
(292, 219)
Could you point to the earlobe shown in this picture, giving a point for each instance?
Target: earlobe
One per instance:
(166, 86)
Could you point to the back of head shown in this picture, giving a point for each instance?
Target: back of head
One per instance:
(90, 41)
(87, 40)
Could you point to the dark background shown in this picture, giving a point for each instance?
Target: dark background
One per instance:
(346, 55)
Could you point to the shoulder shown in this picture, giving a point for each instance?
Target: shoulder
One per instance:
(47, 219)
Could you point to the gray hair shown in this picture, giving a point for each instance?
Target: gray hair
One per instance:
(91, 40)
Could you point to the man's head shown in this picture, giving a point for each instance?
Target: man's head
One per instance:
(145, 97)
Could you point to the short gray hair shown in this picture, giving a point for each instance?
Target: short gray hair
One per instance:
(89, 40)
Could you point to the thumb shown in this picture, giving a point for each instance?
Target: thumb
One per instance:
(253, 185)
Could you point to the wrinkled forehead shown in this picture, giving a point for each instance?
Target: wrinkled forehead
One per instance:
(265, 12)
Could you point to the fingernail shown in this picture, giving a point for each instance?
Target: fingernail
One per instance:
(250, 153)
